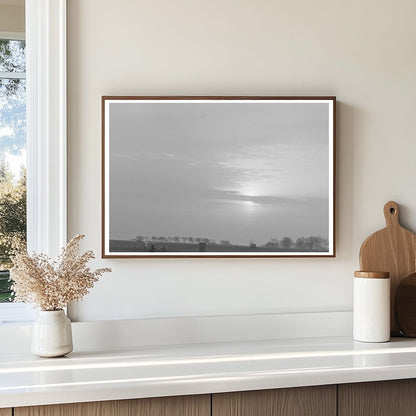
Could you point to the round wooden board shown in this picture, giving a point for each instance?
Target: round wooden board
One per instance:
(405, 306)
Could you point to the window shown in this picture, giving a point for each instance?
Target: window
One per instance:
(12, 155)
(46, 133)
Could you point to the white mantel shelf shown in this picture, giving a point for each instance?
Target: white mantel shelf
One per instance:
(148, 371)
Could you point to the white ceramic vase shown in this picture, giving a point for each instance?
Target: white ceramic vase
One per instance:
(52, 334)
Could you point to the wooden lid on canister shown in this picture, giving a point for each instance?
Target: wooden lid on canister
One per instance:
(372, 275)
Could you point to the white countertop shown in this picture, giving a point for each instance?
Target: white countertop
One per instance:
(200, 368)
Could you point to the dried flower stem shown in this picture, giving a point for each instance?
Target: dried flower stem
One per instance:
(53, 285)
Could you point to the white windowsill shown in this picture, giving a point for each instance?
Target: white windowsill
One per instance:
(16, 313)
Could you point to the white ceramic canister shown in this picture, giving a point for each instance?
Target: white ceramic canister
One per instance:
(371, 309)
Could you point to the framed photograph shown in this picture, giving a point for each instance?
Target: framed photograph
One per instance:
(218, 176)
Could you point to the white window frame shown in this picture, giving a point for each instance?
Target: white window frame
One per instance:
(46, 125)
(46, 135)
(12, 35)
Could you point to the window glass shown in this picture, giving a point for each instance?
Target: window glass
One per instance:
(12, 156)
(12, 56)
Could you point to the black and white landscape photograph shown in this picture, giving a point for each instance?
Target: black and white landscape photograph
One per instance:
(218, 177)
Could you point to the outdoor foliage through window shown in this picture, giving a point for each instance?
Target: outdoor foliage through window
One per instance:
(12, 156)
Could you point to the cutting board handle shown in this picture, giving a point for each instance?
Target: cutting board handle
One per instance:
(391, 214)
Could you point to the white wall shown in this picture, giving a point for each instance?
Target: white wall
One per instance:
(361, 51)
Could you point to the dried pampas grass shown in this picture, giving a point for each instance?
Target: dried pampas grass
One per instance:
(52, 285)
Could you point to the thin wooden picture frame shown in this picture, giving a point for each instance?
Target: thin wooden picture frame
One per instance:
(215, 167)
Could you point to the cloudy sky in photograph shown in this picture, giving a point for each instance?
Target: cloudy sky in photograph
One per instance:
(243, 172)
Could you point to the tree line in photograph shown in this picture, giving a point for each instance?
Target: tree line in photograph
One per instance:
(180, 243)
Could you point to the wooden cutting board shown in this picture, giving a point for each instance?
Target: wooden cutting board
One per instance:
(393, 250)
